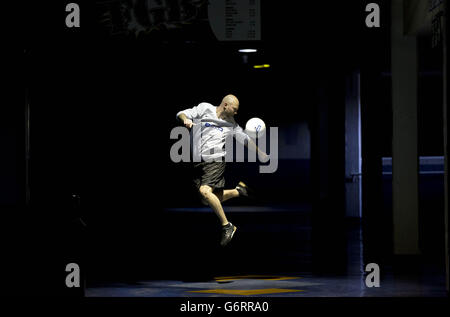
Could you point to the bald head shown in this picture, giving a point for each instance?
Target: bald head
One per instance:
(230, 99)
(228, 107)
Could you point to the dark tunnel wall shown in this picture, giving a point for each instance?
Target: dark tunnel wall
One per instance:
(117, 98)
(102, 120)
(102, 109)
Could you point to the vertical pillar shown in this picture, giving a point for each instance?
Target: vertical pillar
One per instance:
(445, 113)
(404, 137)
(352, 147)
(328, 173)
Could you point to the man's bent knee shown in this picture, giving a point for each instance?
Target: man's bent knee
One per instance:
(205, 190)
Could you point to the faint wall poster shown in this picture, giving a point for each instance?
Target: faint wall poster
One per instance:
(235, 20)
(161, 20)
(181, 20)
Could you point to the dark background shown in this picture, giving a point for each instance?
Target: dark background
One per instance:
(113, 99)
(102, 108)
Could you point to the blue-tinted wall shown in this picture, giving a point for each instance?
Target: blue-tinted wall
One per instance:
(431, 202)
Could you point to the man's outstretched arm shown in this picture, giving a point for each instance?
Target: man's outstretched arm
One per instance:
(263, 157)
(185, 120)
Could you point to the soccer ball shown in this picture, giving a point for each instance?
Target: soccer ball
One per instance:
(255, 127)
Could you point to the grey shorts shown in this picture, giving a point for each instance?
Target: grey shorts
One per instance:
(209, 173)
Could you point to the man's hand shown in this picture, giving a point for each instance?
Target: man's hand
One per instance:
(188, 123)
(263, 157)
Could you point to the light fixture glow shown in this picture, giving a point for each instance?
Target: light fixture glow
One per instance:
(248, 50)
(261, 66)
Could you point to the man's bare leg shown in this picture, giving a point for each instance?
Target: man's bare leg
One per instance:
(226, 194)
(229, 193)
(213, 199)
(214, 202)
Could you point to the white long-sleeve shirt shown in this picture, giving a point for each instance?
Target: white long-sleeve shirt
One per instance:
(213, 132)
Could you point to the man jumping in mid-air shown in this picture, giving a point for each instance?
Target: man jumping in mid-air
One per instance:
(216, 124)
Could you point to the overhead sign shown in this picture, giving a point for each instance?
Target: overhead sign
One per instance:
(235, 20)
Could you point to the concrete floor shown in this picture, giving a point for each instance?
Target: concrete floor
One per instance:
(301, 285)
(267, 258)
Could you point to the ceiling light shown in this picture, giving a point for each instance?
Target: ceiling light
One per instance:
(248, 50)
